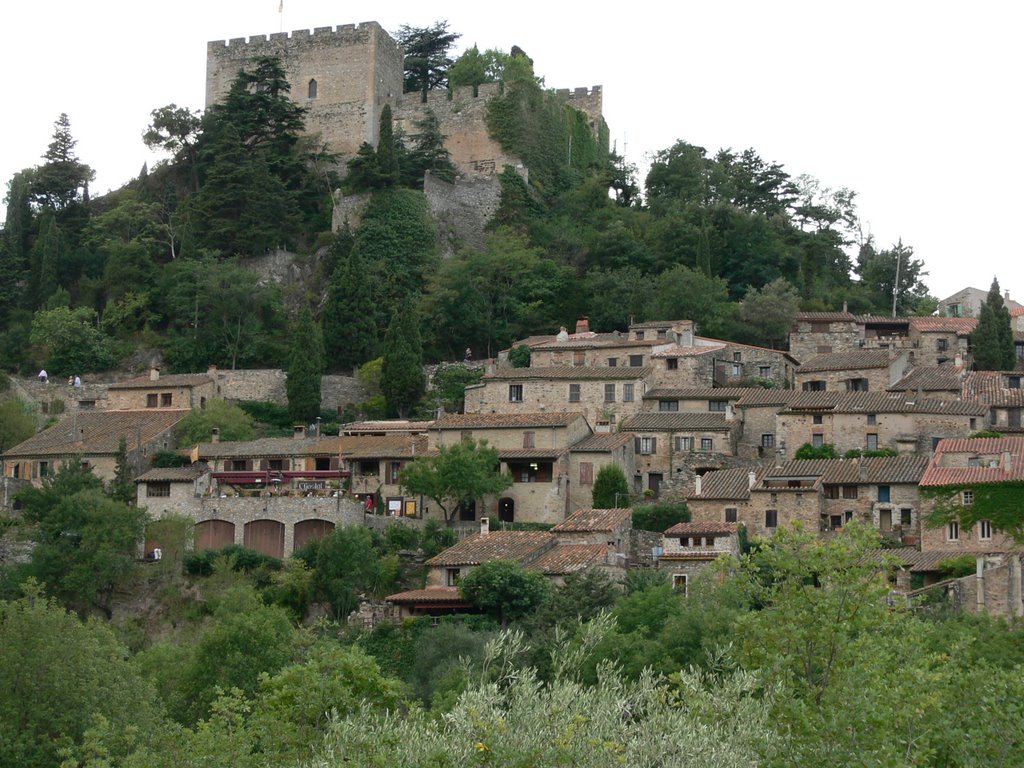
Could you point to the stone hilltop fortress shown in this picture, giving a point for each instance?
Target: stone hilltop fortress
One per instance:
(345, 76)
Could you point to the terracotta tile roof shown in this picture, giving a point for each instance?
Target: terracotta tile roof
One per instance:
(697, 393)
(859, 359)
(506, 420)
(676, 351)
(172, 380)
(962, 326)
(662, 324)
(677, 421)
(520, 546)
(516, 454)
(173, 474)
(880, 402)
(925, 562)
(931, 378)
(690, 529)
(873, 470)
(395, 425)
(589, 520)
(756, 397)
(381, 446)
(271, 446)
(567, 558)
(602, 442)
(990, 387)
(1017, 312)
(601, 341)
(98, 432)
(707, 554)
(728, 484)
(882, 320)
(429, 595)
(571, 373)
(1013, 470)
(826, 317)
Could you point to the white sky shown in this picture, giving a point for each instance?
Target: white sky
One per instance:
(914, 105)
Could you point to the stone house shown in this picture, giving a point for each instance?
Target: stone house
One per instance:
(957, 474)
(822, 333)
(185, 390)
(608, 527)
(694, 400)
(687, 549)
(715, 363)
(967, 303)
(604, 395)
(534, 450)
(588, 456)
(1001, 391)
(757, 410)
(632, 349)
(939, 382)
(92, 438)
(942, 340)
(374, 464)
(862, 370)
(666, 442)
(874, 420)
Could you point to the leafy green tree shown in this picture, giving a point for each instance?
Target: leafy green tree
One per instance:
(15, 242)
(18, 422)
(232, 421)
(62, 180)
(475, 68)
(505, 589)
(364, 170)
(519, 356)
(176, 130)
(448, 385)
(122, 487)
(402, 380)
(457, 475)
(660, 517)
(770, 311)
(611, 489)
(992, 339)
(305, 369)
(682, 292)
(427, 58)
(808, 451)
(70, 341)
(350, 315)
(428, 153)
(878, 270)
(388, 150)
(347, 565)
(49, 254)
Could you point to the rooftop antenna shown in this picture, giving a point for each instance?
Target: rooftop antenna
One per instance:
(280, 16)
(896, 282)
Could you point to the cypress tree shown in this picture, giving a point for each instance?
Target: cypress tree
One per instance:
(350, 315)
(402, 379)
(387, 150)
(992, 339)
(305, 366)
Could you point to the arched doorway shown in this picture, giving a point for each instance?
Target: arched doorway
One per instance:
(507, 510)
(214, 534)
(311, 530)
(266, 536)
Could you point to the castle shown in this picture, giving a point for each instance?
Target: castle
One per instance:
(345, 76)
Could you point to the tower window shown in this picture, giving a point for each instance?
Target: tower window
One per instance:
(312, 89)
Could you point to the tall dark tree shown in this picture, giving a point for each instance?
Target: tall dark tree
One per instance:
(402, 380)
(62, 179)
(176, 130)
(15, 242)
(427, 59)
(992, 339)
(388, 150)
(350, 316)
(122, 487)
(305, 367)
(428, 153)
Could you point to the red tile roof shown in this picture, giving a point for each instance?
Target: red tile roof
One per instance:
(572, 373)
(594, 520)
(990, 387)
(728, 483)
(677, 421)
(694, 351)
(861, 359)
(173, 380)
(429, 595)
(391, 425)
(825, 317)
(496, 545)
(940, 473)
(709, 529)
(506, 420)
(602, 442)
(880, 402)
(567, 558)
(98, 432)
(961, 326)
(931, 378)
(878, 469)
(172, 474)
(697, 393)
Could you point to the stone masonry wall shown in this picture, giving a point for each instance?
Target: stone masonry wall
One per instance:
(462, 209)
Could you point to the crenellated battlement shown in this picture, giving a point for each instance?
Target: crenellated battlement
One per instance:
(343, 33)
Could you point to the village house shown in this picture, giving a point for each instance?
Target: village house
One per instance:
(715, 363)
(874, 420)
(185, 390)
(942, 340)
(604, 395)
(588, 456)
(758, 410)
(374, 464)
(967, 303)
(823, 333)
(632, 349)
(687, 549)
(1001, 391)
(92, 438)
(533, 449)
(862, 370)
(938, 382)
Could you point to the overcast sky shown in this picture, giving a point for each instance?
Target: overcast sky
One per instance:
(914, 105)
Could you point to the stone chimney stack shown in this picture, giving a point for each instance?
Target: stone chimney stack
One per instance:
(1006, 295)
(154, 373)
(583, 325)
(698, 485)
(845, 307)
(485, 527)
(216, 435)
(563, 334)
(751, 479)
(299, 431)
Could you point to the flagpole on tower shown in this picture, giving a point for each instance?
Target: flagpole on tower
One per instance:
(280, 16)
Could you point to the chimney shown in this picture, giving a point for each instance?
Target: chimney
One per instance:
(845, 308)
(751, 480)
(154, 373)
(1006, 294)
(563, 334)
(485, 527)
(212, 370)
(216, 435)
(299, 431)
(698, 484)
(1007, 461)
(583, 325)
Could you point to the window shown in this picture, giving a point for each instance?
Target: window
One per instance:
(586, 473)
(737, 357)
(953, 531)
(849, 491)
(165, 400)
(771, 518)
(872, 419)
(515, 393)
(451, 576)
(707, 444)
(639, 335)
(974, 424)
(662, 333)
(155, 490)
(984, 530)
(716, 406)
(646, 445)
(954, 310)
(151, 401)
(529, 439)
(764, 371)
(627, 393)
(814, 386)
(872, 442)
(530, 471)
(768, 440)
(968, 498)
(684, 444)
(275, 465)
(856, 385)
(44, 469)
(574, 393)
(816, 419)
(940, 345)
(817, 441)
(609, 393)
(672, 364)
(820, 327)
(1013, 382)
(311, 92)
(737, 369)
(613, 362)
(884, 493)
(731, 515)
(679, 582)
(635, 361)
(906, 517)
(831, 491)
(239, 465)
(848, 515)
(668, 405)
